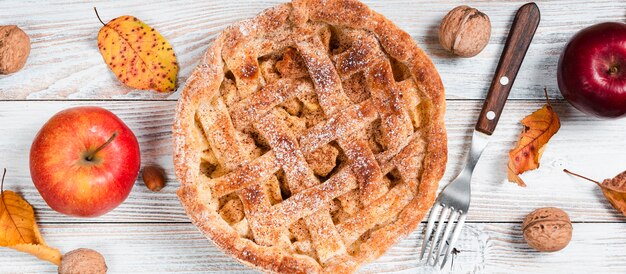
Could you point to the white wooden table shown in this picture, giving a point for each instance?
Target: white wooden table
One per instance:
(150, 232)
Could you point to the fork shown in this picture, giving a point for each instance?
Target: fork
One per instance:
(454, 200)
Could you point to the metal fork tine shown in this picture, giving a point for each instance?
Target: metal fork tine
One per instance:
(429, 228)
(455, 236)
(437, 232)
(446, 234)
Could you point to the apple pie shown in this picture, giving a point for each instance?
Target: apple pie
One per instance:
(310, 138)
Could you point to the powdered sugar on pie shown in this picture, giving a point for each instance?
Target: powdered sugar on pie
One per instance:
(310, 138)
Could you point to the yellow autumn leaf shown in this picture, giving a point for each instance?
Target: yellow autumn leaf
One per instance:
(41, 251)
(138, 55)
(19, 229)
(17, 219)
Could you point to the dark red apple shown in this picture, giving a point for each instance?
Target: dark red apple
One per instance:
(592, 70)
(84, 161)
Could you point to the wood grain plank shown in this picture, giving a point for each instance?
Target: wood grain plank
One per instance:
(65, 63)
(586, 145)
(177, 248)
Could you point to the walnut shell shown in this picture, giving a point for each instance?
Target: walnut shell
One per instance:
(465, 31)
(547, 229)
(14, 49)
(82, 261)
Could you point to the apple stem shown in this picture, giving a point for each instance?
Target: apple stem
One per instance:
(2, 182)
(97, 15)
(545, 91)
(92, 154)
(583, 177)
(613, 70)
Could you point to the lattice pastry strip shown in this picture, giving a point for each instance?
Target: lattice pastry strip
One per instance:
(409, 164)
(324, 75)
(214, 119)
(363, 50)
(364, 54)
(340, 126)
(395, 123)
(311, 200)
(379, 212)
(333, 99)
(343, 125)
(227, 148)
(299, 176)
(365, 168)
(260, 103)
(259, 170)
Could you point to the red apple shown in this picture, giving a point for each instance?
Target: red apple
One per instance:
(592, 70)
(84, 161)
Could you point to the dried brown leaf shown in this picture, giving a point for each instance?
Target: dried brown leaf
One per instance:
(614, 189)
(539, 127)
(19, 229)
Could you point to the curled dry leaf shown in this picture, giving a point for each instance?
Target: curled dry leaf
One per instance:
(614, 189)
(539, 127)
(138, 55)
(19, 228)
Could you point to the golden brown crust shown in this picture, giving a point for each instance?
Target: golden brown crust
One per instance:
(205, 83)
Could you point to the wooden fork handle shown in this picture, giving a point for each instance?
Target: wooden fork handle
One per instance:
(521, 34)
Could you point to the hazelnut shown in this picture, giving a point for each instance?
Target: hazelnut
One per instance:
(547, 229)
(82, 261)
(153, 177)
(465, 31)
(14, 49)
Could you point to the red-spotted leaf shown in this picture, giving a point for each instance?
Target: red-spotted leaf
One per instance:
(138, 55)
(539, 127)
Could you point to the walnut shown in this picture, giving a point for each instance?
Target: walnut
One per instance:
(82, 261)
(547, 229)
(465, 31)
(14, 49)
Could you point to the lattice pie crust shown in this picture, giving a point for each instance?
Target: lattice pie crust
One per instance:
(310, 138)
